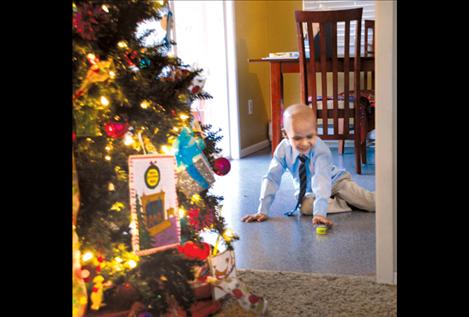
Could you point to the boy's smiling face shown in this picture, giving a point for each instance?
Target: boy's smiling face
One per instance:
(300, 128)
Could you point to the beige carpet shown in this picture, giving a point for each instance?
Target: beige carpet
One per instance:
(310, 294)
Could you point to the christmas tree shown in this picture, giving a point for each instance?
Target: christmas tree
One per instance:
(132, 98)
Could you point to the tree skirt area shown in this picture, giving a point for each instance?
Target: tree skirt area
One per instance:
(292, 294)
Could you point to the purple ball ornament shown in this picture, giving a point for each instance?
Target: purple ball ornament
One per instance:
(221, 166)
(145, 314)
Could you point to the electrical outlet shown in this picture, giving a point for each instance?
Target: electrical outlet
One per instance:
(250, 106)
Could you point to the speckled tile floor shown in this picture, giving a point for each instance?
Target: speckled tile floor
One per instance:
(290, 243)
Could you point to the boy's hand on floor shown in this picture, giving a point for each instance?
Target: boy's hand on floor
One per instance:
(321, 220)
(254, 217)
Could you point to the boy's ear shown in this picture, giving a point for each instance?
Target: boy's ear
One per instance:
(284, 134)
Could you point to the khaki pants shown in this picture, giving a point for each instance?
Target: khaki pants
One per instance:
(345, 192)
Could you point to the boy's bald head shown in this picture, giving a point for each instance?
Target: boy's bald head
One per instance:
(299, 122)
(298, 114)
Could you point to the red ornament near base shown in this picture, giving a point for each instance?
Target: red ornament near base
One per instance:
(221, 166)
(116, 130)
(193, 251)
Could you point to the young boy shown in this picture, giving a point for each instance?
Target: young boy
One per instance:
(321, 187)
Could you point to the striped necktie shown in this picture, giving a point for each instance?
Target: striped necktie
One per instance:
(302, 172)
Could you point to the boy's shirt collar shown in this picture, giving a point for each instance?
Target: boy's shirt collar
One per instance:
(295, 153)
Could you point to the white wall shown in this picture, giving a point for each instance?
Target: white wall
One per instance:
(201, 41)
(386, 142)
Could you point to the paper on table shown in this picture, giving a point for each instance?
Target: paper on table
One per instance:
(284, 55)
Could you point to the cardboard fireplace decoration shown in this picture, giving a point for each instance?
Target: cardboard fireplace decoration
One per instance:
(153, 203)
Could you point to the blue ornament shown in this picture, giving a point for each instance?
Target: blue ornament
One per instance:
(187, 147)
(145, 314)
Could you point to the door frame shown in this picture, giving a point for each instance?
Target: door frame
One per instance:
(231, 70)
(386, 142)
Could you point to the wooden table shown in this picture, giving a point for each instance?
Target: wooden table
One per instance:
(291, 65)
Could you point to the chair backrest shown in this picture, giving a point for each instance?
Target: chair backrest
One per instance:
(309, 67)
(369, 48)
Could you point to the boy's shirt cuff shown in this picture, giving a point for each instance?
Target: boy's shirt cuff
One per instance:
(263, 209)
(320, 207)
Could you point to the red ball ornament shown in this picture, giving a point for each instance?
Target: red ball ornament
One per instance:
(116, 130)
(195, 89)
(221, 166)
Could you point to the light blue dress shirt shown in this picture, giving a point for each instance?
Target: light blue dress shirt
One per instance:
(321, 175)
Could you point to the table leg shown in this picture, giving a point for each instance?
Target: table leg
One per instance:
(275, 102)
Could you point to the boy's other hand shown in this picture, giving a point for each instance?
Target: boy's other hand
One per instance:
(254, 217)
(321, 220)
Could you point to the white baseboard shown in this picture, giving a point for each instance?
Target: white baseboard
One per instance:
(254, 148)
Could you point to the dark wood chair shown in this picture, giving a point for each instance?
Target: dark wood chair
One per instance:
(343, 111)
(368, 121)
(370, 49)
(368, 92)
